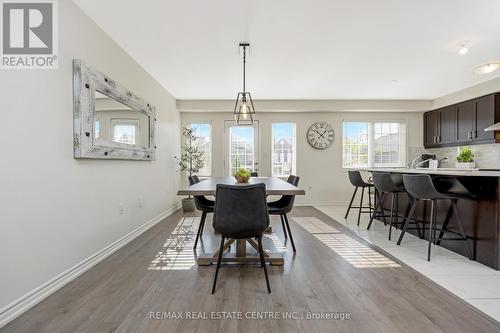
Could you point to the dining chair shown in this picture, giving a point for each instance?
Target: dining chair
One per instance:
(283, 206)
(240, 213)
(202, 204)
(254, 174)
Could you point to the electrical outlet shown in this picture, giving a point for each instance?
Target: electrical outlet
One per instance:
(120, 208)
(140, 202)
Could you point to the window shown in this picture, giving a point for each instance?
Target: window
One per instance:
(374, 144)
(125, 130)
(283, 149)
(203, 133)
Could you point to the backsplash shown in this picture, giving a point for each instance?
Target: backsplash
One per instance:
(485, 156)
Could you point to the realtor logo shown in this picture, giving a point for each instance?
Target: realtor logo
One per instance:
(29, 34)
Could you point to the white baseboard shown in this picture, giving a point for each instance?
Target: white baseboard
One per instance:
(320, 203)
(22, 304)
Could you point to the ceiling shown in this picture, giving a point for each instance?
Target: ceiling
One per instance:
(307, 49)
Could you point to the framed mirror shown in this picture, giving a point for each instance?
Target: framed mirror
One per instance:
(110, 122)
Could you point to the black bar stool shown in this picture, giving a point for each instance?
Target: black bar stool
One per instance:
(357, 181)
(421, 187)
(388, 184)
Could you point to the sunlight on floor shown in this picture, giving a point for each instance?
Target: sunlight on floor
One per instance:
(177, 252)
(353, 251)
(277, 242)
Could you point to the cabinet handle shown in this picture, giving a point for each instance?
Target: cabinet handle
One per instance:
(475, 134)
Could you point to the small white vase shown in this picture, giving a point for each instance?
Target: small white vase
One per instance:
(465, 165)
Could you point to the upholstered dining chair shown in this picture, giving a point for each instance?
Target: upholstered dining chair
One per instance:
(202, 204)
(240, 213)
(283, 206)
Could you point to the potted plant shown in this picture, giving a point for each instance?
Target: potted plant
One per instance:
(465, 159)
(242, 175)
(190, 161)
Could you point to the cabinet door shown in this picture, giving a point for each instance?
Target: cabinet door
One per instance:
(485, 116)
(431, 128)
(447, 125)
(465, 121)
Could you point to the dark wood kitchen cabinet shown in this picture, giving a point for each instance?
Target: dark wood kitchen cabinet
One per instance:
(463, 123)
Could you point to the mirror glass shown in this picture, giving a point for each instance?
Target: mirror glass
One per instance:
(118, 122)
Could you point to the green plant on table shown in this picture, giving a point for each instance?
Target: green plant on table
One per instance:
(465, 155)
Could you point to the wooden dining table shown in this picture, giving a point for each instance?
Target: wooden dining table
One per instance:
(274, 186)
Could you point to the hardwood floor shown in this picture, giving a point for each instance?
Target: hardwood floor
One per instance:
(332, 271)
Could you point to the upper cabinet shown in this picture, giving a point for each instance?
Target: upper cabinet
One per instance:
(462, 123)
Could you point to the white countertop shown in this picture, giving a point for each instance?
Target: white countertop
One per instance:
(442, 171)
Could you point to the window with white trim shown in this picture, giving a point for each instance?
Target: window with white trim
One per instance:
(203, 133)
(283, 149)
(373, 144)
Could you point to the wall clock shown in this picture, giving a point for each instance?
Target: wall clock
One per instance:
(320, 135)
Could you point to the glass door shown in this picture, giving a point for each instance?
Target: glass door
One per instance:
(241, 147)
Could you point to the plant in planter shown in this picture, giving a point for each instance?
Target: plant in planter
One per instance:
(242, 175)
(465, 159)
(191, 161)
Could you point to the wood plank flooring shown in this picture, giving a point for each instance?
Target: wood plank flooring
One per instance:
(332, 271)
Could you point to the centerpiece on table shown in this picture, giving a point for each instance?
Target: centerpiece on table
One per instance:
(191, 161)
(465, 159)
(242, 175)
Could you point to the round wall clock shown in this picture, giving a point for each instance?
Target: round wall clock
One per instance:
(320, 135)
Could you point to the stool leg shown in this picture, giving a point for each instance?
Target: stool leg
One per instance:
(379, 204)
(431, 227)
(392, 214)
(361, 203)
(350, 203)
(407, 221)
(380, 198)
(462, 231)
(445, 224)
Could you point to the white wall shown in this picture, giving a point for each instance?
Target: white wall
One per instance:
(478, 90)
(321, 172)
(56, 211)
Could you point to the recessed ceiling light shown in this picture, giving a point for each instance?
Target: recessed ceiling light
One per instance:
(487, 68)
(462, 48)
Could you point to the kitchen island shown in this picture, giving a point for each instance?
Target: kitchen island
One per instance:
(480, 213)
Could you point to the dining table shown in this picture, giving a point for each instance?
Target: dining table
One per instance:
(208, 187)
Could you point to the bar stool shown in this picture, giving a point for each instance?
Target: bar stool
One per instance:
(357, 181)
(421, 187)
(388, 184)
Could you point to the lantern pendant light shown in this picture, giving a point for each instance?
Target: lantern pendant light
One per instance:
(244, 110)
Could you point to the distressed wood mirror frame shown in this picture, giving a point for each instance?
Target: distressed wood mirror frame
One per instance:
(86, 82)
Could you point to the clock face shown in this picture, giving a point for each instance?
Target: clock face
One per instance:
(320, 135)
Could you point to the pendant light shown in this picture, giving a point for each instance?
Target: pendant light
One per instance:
(244, 110)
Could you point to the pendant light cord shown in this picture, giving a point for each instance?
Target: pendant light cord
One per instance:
(244, 65)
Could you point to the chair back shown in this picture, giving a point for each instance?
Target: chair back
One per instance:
(193, 180)
(254, 174)
(286, 201)
(385, 182)
(421, 187)
(356, 179)
(240, 211)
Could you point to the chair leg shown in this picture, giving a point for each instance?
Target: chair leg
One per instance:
(379, 205)
(431, 228)
(407, 221)
(263, 263)
(393, 203)
(289, 232)
(462, 231)
(361, 204)
(200, 229)
(380, 198)
(370, 200)
(219, 260)
(283, 225)
(350, 203)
